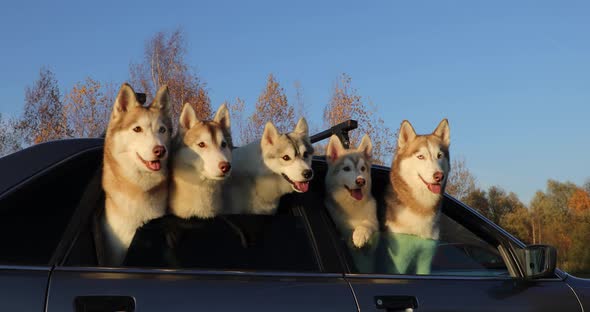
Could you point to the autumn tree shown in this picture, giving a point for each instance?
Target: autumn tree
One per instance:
(500, 203)
(272, 105)
(552, 221)
(10, 138)
(519, 223)
(300, 107)
(88, 106)
(579, 202)
(461, 181)
(164, 63)
(345, 104)
(43, 118)
(478, 200)
(239, 124)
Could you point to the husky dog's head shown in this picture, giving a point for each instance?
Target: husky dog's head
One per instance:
(349, 169)
(289, 154)
(422, 161)
(139, 136)
(206, 143)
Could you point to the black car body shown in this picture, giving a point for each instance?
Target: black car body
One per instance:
(50, 196)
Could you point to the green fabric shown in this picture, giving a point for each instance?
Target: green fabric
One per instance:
(364, 257)
(406, 254)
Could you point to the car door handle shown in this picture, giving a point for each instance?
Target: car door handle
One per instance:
(396, 303)
(104, 304)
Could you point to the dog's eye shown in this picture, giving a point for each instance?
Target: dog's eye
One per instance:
(305, 154)
(202, 144)
(286, 158)
(162, 130)
(347, 168)
(137, 129)
(421, 157)
(440, 155)
(363, 168)
(223, 144)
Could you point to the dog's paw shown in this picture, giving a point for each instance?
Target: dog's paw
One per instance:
(361, 236)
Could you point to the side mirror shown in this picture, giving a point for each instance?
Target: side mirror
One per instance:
(539, 261)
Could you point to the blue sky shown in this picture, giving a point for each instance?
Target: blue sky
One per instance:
(513, 77)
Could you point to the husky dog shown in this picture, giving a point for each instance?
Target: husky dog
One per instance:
(135, 170)
(348, 190)
(418, 177)
(267, 169)
(201, 155)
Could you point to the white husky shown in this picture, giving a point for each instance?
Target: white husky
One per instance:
(267, 169)
(200, 163)
(348, 189)
(418, 177)
(135, 171)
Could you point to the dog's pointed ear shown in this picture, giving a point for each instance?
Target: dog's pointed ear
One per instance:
(270, 134)
(334, 149)
(443, 132)
(406, 134)
(302, 127)
(366, 146)
(162, 100)
(222, 117)
(188, 117)
(125, 100)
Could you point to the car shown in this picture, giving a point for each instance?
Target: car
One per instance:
(52, 260)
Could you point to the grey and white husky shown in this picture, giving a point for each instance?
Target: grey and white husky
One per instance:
(265, 170)
(201, 156)
(348, 190)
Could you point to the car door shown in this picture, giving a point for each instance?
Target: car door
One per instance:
(35, 207)
(474, 269)
(279, 270)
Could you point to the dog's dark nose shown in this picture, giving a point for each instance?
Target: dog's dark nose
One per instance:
(307, 173)
(438, 176)
(159, 151)
(360, 181)
(224, 166)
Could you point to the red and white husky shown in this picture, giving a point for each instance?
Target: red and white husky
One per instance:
(200, 164)
(135, 170)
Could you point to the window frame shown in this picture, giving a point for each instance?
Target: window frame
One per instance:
(464, 215)
(61, 152)
(325, 253)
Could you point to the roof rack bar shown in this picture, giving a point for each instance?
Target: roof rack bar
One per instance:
(340, 130)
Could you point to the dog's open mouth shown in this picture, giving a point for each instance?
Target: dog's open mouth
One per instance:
(153, 165)
(355, 193)
(300, 187)
(435, 188)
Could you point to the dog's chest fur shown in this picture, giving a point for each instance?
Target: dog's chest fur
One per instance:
(411, 211)
(348, 211)
(192, 194)
(252, 187)
(132, 198)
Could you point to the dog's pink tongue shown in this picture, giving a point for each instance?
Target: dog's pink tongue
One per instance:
(357, 194)
(302, 186)
(154, 165)
(435, 188)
